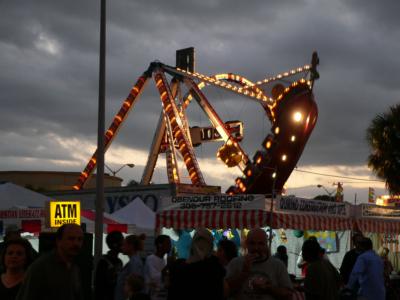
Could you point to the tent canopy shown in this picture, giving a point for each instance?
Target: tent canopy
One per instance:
(14, 196)
(136, 213)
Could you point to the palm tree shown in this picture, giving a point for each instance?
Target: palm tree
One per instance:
(383, 136)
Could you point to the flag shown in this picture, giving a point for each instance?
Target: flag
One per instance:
(371, 195)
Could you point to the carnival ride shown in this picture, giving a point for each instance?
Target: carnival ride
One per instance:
(289, 105)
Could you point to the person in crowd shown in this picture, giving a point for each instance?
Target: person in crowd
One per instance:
(383, 252)
(55, 275)
(322, 280)
(281, 253)
(350, 258)
(183, 243)
(108, 268)
(258, 275)
(16, 257)
(11, 232)
(367, 274)
(201, 276)
(226, 251)
(391, 293)
(153, 267)
(131, 247)
(134, 286)
(302, 264)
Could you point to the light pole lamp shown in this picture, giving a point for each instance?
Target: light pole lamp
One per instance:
(119, 169)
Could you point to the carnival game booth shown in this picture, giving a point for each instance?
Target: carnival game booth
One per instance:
(382, 225)
(293, 219)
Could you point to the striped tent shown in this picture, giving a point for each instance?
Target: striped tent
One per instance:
(378, 225)
(183, 219)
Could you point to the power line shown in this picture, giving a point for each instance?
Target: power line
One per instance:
(336, 176)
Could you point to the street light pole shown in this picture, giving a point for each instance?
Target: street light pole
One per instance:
(119, 169)
(99, 205)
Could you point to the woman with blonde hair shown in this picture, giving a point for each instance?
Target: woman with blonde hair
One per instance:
(201, 276)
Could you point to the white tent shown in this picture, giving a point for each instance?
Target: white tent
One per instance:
(15, 196)
(136, 213)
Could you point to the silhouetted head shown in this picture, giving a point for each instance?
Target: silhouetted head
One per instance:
(311, 250)
(114, 240)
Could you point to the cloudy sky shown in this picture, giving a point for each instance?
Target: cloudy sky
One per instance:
(49, 78)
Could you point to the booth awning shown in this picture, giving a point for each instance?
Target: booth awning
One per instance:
(378, 226)
(180, 219)
(311, 222)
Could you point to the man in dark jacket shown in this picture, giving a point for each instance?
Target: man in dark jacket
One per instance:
(350, 258)
(108, 268)
(55, 275)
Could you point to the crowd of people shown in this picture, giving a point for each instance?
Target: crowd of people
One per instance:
(206, 272)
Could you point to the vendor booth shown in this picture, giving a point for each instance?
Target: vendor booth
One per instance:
(382, 225)
(293, 220)
(250, 211)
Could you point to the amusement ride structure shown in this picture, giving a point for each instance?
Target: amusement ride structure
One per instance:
(289, 105)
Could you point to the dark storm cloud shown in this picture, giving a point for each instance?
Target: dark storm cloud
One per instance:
(49, 54)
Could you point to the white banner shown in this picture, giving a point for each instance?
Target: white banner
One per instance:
(214, 202)
(311, 206)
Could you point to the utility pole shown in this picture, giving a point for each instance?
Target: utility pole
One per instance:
(99, 205)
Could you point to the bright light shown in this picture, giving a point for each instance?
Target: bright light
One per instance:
(284, 157)
(293, 138)
(274, 175)
(277, 130)
(268, 144)
(297, 116)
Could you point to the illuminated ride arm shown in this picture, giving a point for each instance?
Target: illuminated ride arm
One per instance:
(114, 127)
(178, 131)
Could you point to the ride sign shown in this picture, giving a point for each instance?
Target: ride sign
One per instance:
(64, 212)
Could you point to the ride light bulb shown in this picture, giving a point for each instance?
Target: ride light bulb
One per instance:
(297, 116)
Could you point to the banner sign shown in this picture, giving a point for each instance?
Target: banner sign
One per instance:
(374, 211)
(310, 206)
(32, 213)
(214, 202)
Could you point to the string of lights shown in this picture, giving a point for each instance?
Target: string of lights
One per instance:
(337, 176)
(284, 75)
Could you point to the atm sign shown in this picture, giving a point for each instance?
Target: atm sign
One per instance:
(65, 212)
